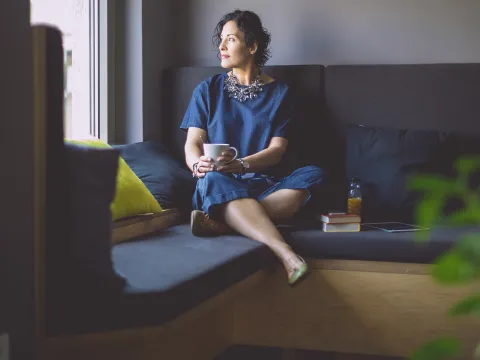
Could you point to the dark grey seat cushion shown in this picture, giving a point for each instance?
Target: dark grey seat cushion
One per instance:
(160, 262)
(170, 272)
(373, 245)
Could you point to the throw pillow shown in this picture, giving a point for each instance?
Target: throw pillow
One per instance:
(132, 197)
(384, 158)
(170, 182)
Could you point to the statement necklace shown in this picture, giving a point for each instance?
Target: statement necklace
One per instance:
(243, 93)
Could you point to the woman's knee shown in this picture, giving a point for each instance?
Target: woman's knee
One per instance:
(309, 174)
(285, 203)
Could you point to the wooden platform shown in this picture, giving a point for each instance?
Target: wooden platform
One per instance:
(370, 308)
(128, 229)
(353, 307)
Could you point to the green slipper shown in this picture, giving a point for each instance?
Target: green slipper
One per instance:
(299, 273)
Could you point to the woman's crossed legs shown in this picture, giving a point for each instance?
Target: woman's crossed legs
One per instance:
(255, 218)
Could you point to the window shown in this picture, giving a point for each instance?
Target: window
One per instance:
(79, 22)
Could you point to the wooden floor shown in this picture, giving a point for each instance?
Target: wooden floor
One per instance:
(245, 352)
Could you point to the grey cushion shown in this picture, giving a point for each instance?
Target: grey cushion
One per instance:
(436, 97)
(384, 159)
(169, 181)
(170, 272)
(375, 245)
(160, 262)
(441, 97)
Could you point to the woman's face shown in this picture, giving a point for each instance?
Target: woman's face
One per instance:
(234, 52)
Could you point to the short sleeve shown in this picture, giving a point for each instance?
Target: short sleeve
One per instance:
(283, 118)
(198, 110)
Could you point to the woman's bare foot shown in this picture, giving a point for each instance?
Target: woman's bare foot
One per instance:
(203, 225)
(291, 261)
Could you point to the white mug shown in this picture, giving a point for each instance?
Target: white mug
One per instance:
(215, 151)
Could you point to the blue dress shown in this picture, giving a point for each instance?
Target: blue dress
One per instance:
(249, 126)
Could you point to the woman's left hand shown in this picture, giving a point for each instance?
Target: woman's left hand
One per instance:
(234, 167)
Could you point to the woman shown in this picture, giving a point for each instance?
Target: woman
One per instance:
(251, 111)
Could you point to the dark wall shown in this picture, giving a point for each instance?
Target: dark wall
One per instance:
(159, 42)
(146, 38)
(179, 33)
(16, 184)
(345, 31)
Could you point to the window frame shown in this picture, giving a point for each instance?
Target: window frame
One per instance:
(103, 71)
(90, 111)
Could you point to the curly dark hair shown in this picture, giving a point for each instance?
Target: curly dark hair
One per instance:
(250, 24)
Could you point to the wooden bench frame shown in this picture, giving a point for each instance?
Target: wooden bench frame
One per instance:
(127, 229)
(343, 306)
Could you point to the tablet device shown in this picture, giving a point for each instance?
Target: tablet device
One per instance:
(392, 227)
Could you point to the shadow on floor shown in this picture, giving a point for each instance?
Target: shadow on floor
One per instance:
(246, 352)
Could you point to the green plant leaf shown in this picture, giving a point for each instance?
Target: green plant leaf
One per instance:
(470, 305)
(427, 212)
(469, 248)
(430, 183)
(438, 349)
(463, 217)
(451, 268)
(477, 352)
(466, 164)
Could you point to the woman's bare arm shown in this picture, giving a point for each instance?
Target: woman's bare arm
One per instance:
(194, 145)
(194, 151)
(262, 160)
(272, 155)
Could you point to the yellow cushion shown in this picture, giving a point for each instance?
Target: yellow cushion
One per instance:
(131, 197)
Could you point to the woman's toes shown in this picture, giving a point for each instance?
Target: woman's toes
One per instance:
(291, 265)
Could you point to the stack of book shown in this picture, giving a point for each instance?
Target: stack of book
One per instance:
(340, 222)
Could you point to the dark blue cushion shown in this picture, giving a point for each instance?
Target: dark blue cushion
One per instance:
(385, 158)
(170, 272)
(80, 263)
(375, 245)
(169, 181)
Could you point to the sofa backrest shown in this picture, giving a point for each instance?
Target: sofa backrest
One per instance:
(426, 97)
(443, 97)
(413, 119)
(439, 97)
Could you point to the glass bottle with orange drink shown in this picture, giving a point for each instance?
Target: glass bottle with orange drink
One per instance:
(354, 205)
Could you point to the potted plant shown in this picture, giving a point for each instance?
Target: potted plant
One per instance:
(461, 264)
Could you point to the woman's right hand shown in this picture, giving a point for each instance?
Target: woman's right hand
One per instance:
(205, 165)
